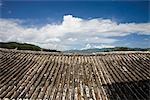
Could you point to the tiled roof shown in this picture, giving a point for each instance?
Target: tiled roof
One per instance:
(112, 76)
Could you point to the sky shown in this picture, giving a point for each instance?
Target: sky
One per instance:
(65, 25)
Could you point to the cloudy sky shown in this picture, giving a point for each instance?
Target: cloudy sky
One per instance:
(75, 25)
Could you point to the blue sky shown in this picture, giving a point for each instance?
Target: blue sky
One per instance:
(119, 11)
(45, 22)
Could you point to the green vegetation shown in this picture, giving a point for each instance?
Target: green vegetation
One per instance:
(130, 49)
(94, 50)
(49, 50)
(19, 46)
(23, 46)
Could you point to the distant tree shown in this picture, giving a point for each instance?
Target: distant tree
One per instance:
(122, 49)
(50, 50)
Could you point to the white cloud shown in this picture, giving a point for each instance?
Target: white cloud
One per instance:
(104, 46)
(1, 4)
(53, 40)
(88, 46)
(72, 39)
(71, 31)
(100, 40)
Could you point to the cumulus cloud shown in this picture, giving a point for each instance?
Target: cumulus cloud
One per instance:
(72, 31)
(103, 46)
(72, 39)
(88, 46)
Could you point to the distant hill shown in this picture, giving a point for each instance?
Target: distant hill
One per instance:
(95, 50)
(23, 46)
(26, 46)
(19, 46)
